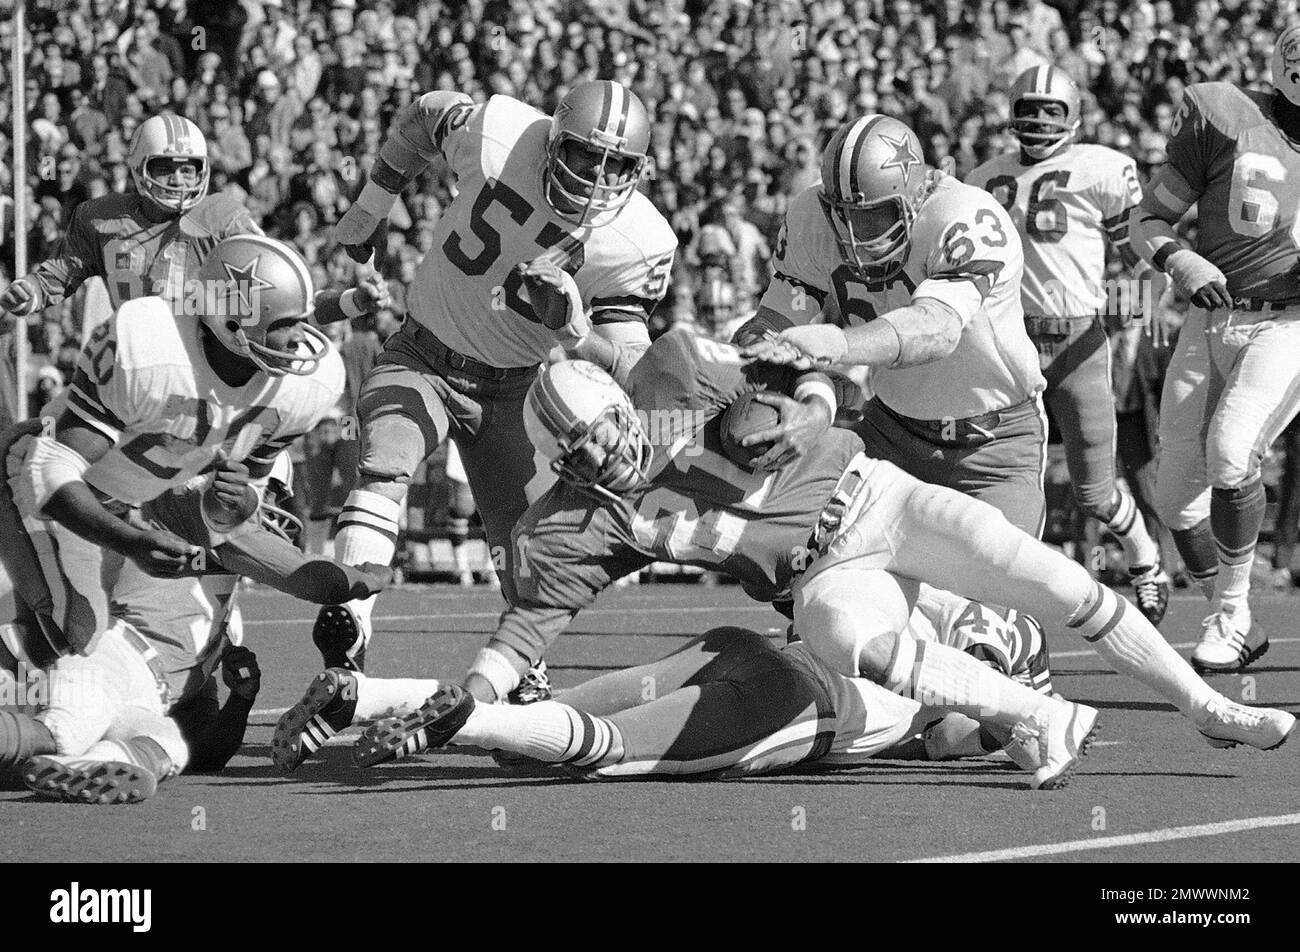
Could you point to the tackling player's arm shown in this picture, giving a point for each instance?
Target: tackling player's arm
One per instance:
(52, 280)
(563, 554)
(214, 736)
(1172, 191)
(270, 560)
(419, 131)
(369, 296)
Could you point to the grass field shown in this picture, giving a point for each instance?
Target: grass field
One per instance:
(1151, 790)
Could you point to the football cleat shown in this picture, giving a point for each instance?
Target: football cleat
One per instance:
(78, 780)
(329, 706)
(1056, 738)
(533, 687)
(1224, 648)
(436, 722)
(1151, 592)
(1226, 723)
(340, 637)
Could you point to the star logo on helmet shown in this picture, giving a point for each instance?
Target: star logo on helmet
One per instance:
(903, 158)
(248, 283)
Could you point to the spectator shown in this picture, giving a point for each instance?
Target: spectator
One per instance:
(228, 148)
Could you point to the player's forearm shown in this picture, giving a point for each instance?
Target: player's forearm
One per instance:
(617, 358)
(212, 749)
(333, 305)
(270, 560)
(1152, 236)
(926, 330)
(75, 507)
(766, 323)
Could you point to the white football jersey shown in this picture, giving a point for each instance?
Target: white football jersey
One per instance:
(467, 291)
(144, 382)
(965, 253)
(1063, 207)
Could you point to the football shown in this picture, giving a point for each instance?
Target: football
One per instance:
(744, 417)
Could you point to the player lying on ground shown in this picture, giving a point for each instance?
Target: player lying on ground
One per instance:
(729, 704)
(1231, 388)
(1069, 201)
(882, 533)
(143, 707)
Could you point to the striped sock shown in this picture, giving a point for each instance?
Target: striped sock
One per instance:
(944, 677)
(367, 533)
(1236, 516)
(1122, 636)
(548, 731)
(1128, 526)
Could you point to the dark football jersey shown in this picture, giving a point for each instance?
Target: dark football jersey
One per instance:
(698, 508)
(113, 238)
(1246, 173)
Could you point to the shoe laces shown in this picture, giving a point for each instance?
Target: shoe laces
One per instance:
(1234, 714)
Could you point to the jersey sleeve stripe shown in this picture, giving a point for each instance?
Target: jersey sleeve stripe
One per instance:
(94, 414)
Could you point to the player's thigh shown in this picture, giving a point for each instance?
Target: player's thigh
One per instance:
(760, 714)
(847, 607)
(1080, 398)
(504, 469)
(403, 415)
(711, 656)
(1261, 394)
(1181, 497)
(1007, 472)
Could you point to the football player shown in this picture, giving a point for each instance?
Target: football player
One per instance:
(143, 707)
(1067, 201)
(547, 214)
(152, 242)
(1231, 387)
(890, 265)
(882, 533)
(727, 704)
(154, 403)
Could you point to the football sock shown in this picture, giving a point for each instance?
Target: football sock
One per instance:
(1236, 516)
(936, 675)
(367, 533)
(1200, 554)
(1122, 636)
(391, 697)
(549, 731)
(21, 738)
(1128, 526)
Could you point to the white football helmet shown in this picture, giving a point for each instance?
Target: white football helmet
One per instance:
(252, 283)
(585, 424)
(1286, 64)
(160, 141)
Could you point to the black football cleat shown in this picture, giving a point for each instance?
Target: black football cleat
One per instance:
(436, 722)
(329, 706)
(340, 637)
(1151, 592)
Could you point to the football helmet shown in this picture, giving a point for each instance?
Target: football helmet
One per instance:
(251, 284)
(874, 178)
(584, 423)
(1040, 136)
(160, 141)
(599, 129)
(1286, 64)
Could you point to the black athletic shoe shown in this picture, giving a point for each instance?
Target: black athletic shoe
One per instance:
(435, 723)
(340, 637)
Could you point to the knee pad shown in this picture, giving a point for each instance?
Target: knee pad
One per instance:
(392, 449)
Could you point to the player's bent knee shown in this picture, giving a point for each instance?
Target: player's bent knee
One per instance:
(850, 618)
(388, 488)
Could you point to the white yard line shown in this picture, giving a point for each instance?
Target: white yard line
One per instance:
(1165, 835)
(1086, 652)
(589, 613)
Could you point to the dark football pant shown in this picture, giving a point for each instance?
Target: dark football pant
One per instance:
(726, 704)
(414, 398)
(997, 457)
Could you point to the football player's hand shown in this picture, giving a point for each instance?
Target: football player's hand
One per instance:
(801, 424)
(21, 298)
(1199, 279)
(362, 235)
(240, 672)
(372, 294)
(161, 554)
(1212, 295)
(555, 299)
(377, 577)
(807, 347)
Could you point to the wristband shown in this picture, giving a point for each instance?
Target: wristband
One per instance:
(348, 304)
(817, 388)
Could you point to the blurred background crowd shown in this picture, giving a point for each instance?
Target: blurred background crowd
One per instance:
(295, 97)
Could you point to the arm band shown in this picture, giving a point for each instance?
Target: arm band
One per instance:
(496, 669)
(817, 388)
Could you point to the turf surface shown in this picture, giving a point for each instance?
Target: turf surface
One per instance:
(1149, 773)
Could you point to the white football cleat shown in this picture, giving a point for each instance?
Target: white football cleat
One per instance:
(1056, 738)
(1226, 723)
(1224, 648)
